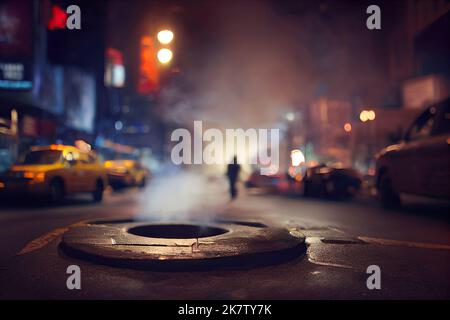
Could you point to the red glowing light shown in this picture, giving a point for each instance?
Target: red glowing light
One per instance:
(57, 19)
(148, 81)
(114, 55)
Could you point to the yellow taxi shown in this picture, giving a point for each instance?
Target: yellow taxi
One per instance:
(56, 171)
(126, 173)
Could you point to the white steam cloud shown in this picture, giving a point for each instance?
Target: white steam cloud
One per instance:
(182, 195)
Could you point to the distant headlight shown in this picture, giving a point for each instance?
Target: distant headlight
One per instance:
(119, 170)
(36, 176)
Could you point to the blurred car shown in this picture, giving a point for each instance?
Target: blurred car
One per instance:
(331, 182)
(126, 173)
(270, 183)
(56, 171)
(420, 164)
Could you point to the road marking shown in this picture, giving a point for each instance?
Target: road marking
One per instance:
(400, 243)
(45, 239)
(311, 257)
(329, 264)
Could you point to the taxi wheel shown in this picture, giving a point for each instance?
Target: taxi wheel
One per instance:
(389, 198)
(143, 183)
(97, 195)
(56, 190)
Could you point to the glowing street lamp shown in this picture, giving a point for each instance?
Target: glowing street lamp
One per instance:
(290, 116)
(363, 116)
(297, 157)
(367, 115)
(165, 36)
(371, 115)
(347, 127)
(164, 55)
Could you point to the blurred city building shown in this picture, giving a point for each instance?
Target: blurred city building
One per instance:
(417, 67)
(87, 84)
(133, 114)
(46, 75)
(108, 84)
(419, 51)
(336, 134)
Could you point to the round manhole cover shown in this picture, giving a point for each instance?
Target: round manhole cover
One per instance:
(182, 246)
(176, 231)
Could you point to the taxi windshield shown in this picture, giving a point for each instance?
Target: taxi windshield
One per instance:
(42, 157)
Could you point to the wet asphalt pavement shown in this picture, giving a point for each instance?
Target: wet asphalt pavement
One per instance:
(411, 246)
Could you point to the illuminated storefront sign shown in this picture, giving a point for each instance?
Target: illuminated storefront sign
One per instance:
(114, 70)
(16, 44)
(13, 76)
(148, 81)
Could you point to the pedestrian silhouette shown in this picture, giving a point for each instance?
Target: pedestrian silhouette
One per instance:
(233, 175)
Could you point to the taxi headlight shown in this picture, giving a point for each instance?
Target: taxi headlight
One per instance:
(40, 176)
(121, 170)
(29, 175)
(36, 176)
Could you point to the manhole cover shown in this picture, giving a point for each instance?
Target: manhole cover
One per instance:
(176, 231)
(182, 246)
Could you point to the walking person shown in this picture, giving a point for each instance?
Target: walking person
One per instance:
(233, 170)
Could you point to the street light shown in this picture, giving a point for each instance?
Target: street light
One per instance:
(165, 36)
(290, 116)
(367, 115)
(347, 127)
(118, 125)
(164, 55)
(363, 116)
(297, 157)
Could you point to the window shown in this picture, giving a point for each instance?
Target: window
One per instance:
(42, 157)
(87, 158)
(443, 123)
(72, 156)
(423, 125)
(84, 158)
(92, 159)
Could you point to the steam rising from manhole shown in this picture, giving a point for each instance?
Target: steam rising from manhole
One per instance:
(176, 231)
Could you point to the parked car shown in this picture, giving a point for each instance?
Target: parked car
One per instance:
(269, 183)
(56, 171)
(126, 173)
(420, 164)
(331, 182)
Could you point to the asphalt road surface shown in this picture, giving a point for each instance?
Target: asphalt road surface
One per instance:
(411, 246)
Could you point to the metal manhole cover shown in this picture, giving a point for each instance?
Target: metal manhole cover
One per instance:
(182, 246)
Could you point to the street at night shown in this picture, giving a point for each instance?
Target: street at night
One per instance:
(410, 246)
(205, 151)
